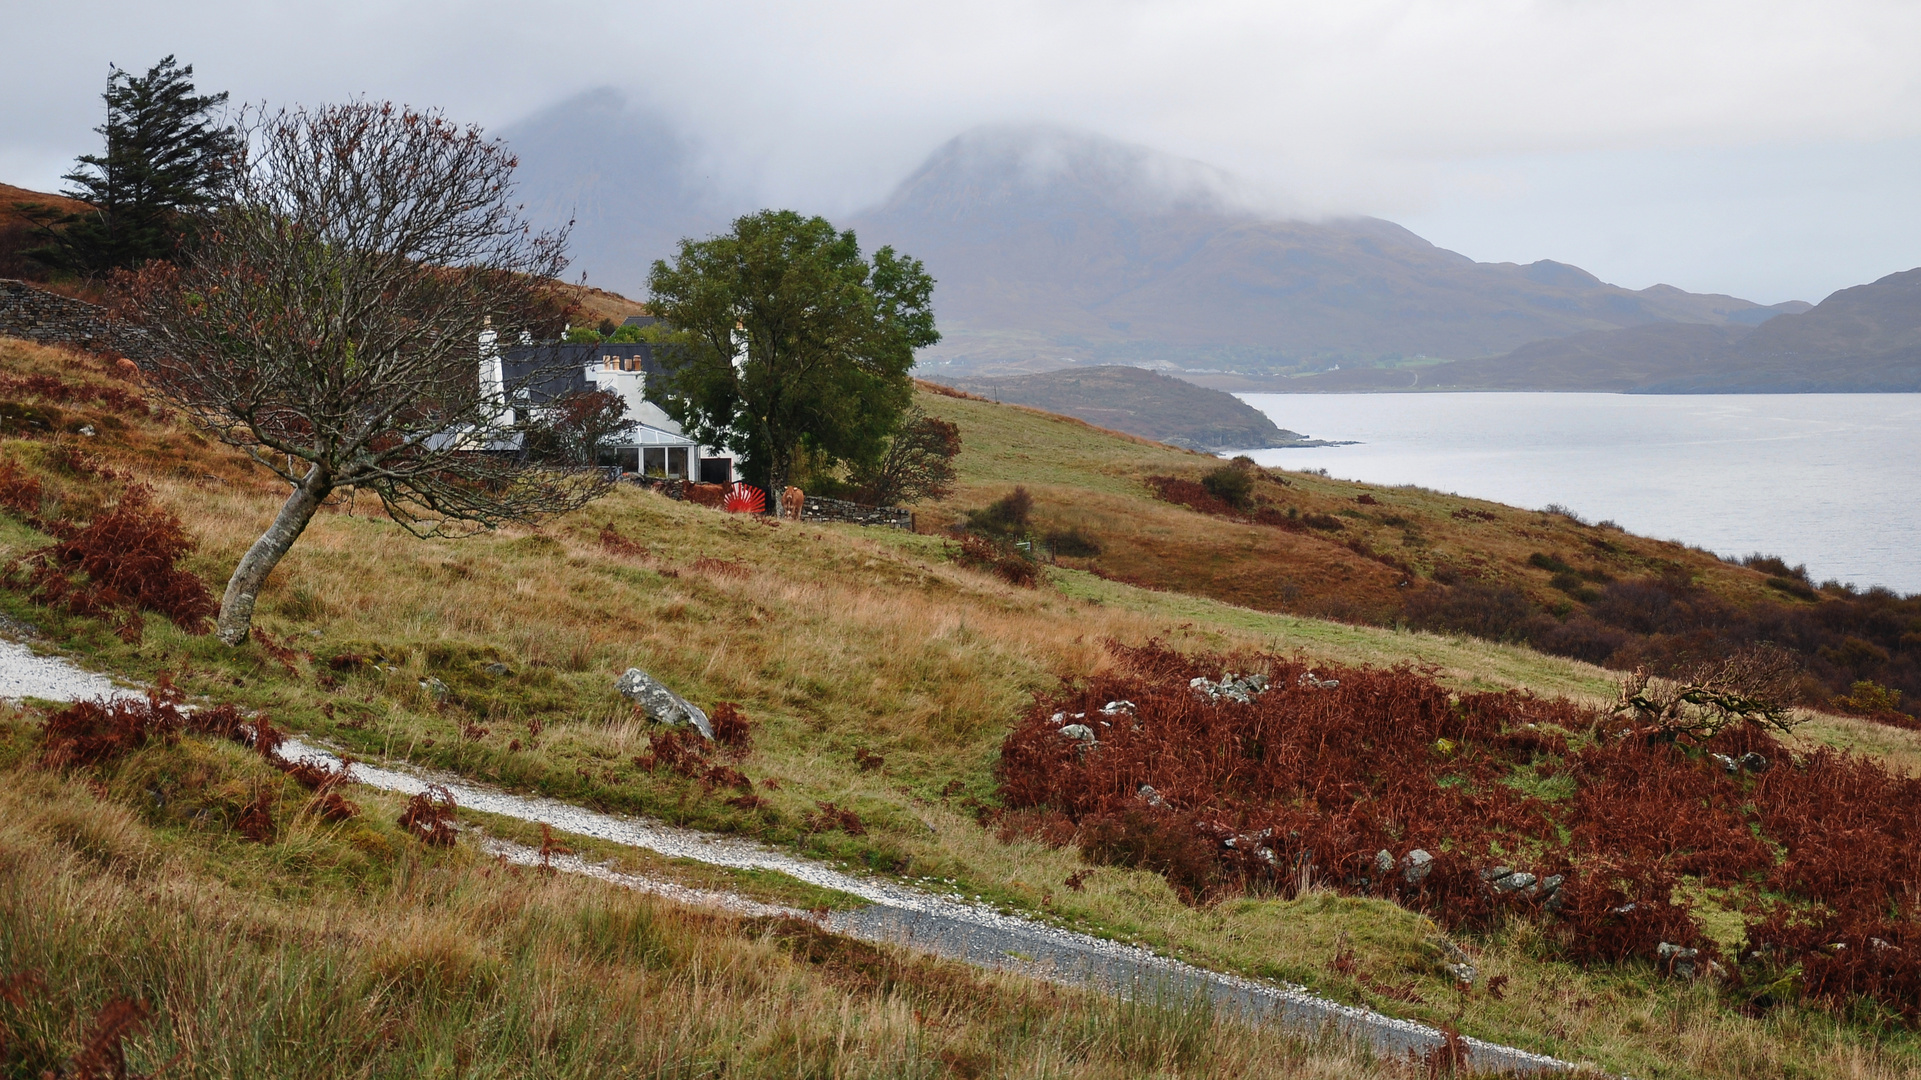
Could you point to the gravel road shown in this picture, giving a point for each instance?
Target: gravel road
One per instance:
(895, 913)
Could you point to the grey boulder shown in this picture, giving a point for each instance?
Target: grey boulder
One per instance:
(661, 705)
(1415, 866)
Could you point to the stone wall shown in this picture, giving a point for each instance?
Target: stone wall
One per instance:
(819, 509)
(51, 319)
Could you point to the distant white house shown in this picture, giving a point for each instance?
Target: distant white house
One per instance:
(548, 371)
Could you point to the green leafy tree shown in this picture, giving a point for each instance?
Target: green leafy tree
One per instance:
(784, 337)
(164, 159)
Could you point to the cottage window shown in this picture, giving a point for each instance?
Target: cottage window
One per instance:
(677, 461)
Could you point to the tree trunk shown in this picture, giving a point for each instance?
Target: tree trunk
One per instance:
(779, 468)
(236, 608)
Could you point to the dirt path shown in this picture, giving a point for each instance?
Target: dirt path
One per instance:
(895, 914)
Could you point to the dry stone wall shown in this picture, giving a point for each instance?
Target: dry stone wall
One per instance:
(51, 319)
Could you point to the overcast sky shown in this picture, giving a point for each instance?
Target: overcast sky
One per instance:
(1767, 149)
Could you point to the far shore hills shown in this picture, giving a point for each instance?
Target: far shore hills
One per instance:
(1866, 339)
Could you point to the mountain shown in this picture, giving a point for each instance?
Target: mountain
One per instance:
(628, 180)
(1054, 247)
(1864, 339)
(1143, 403)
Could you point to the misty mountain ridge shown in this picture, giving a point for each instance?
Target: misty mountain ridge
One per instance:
(1054, 248)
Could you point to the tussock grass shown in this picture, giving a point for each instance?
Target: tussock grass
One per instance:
(257, 962)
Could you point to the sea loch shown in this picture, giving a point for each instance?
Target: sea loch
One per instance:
(1832, 480)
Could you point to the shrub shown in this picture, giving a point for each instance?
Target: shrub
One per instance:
(1189, 493)
(1072, 543)
(1231, 484)
(1794, 587)
(1869, 697)
(1775, 566)
(1551, 563)
(1005, 517)
(1494, 612)
(999, 558)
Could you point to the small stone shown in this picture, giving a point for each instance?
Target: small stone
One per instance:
(1383, 862)
(1463, 973)
(1080, 733)
(661, 705)
(1415, 866)
(1514, 882)
(1151, 797)
(1497, 873)
(87, 430)
(1754, 762)
(497, 669)
(1728, 764)
(434, 687)
(1624, 909)
(1678, 959)
(1115, 708)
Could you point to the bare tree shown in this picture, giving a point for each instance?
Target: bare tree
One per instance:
(918, 464)
(330, 324)
(1753, 686)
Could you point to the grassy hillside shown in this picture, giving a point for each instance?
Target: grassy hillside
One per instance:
(877, 675)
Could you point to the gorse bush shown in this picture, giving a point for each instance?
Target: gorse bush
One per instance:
(1231, 484)
(1588, 821)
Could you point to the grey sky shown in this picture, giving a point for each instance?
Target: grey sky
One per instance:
(1771, 150)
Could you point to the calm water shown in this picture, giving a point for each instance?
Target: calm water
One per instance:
(1832, 480)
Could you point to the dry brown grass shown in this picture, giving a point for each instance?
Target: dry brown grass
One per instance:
(256, 962)
(1083, 476)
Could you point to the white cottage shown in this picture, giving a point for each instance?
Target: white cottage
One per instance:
(657, 447)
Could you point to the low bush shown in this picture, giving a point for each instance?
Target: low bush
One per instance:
(1231, 484)
(124, 562)
(1189, 493)
(1004, 518)
(999, 558)
(1072, 543)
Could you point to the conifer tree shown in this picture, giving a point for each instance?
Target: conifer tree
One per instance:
(163, 159)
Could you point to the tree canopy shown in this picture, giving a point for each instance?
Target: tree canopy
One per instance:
(164, 158)
(785, 336)
(330, 322)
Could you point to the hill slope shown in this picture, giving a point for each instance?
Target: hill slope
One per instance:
(1143, 403)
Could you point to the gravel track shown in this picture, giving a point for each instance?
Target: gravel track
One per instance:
(895, 914)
